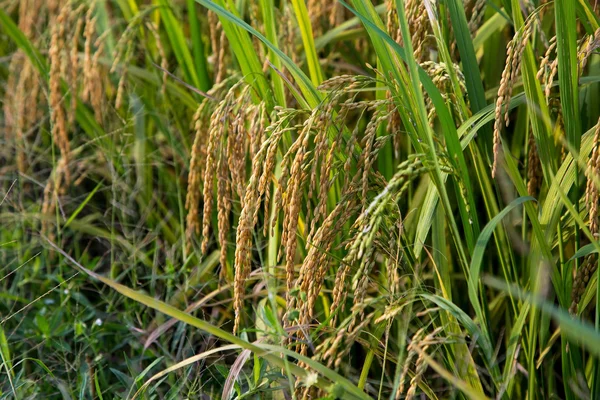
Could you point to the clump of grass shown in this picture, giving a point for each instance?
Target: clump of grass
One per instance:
(315, 183)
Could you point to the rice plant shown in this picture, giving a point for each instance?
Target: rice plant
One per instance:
(297, 199)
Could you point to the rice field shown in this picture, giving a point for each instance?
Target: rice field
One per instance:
(299, 199)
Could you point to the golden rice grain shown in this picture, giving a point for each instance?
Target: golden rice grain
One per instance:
(58, 117)
(215, 133)
(513, 61)
(477, 15)
(196, 173)
(534, 168)
(592, 196)
(243, 241)
(88, 69)
(412, 353)
(74, 63)
(420, 366)
(591, 44)
(223, 212)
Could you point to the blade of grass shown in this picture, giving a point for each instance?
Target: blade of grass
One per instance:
(464, 387)
(494, 24)
(459, 356)
(233, 25)
(476, 260)
(242, 47)
(340, 30)
(23, 43)
(198, 47)
(566, 49)
(184, 363)
(575, 329)
(470, 67)
(6, 361)
(566, 44)
(268, 13)
(312, 59)
(178, 43)
(82, 205)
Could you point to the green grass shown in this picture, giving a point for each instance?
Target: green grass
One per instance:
(355, 233)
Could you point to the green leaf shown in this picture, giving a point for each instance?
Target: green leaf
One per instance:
(82, 205)
(23, 43)
(178, 43)
(306, 32)
(466, 321)
(475, 268)
(198, 47)
(568, 66)
(576, 330)
(586, 250)
(268, 13)
(248, 59)
(470, 66)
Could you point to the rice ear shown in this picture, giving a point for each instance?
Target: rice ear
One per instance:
(57, 67)
(509, 76)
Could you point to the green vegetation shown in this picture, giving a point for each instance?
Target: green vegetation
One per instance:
(299, 199)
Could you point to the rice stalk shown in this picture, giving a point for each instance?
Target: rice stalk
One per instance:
(57, 68)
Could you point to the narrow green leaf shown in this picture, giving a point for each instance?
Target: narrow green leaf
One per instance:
(586, 250)
(306, 32)
(232, 25)
(575, 329)
(82, 205)
(268, 13)
(470, 67)
(198, 47)
(475, 268)
(22, 42)
(242, 47)
(177, 40)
